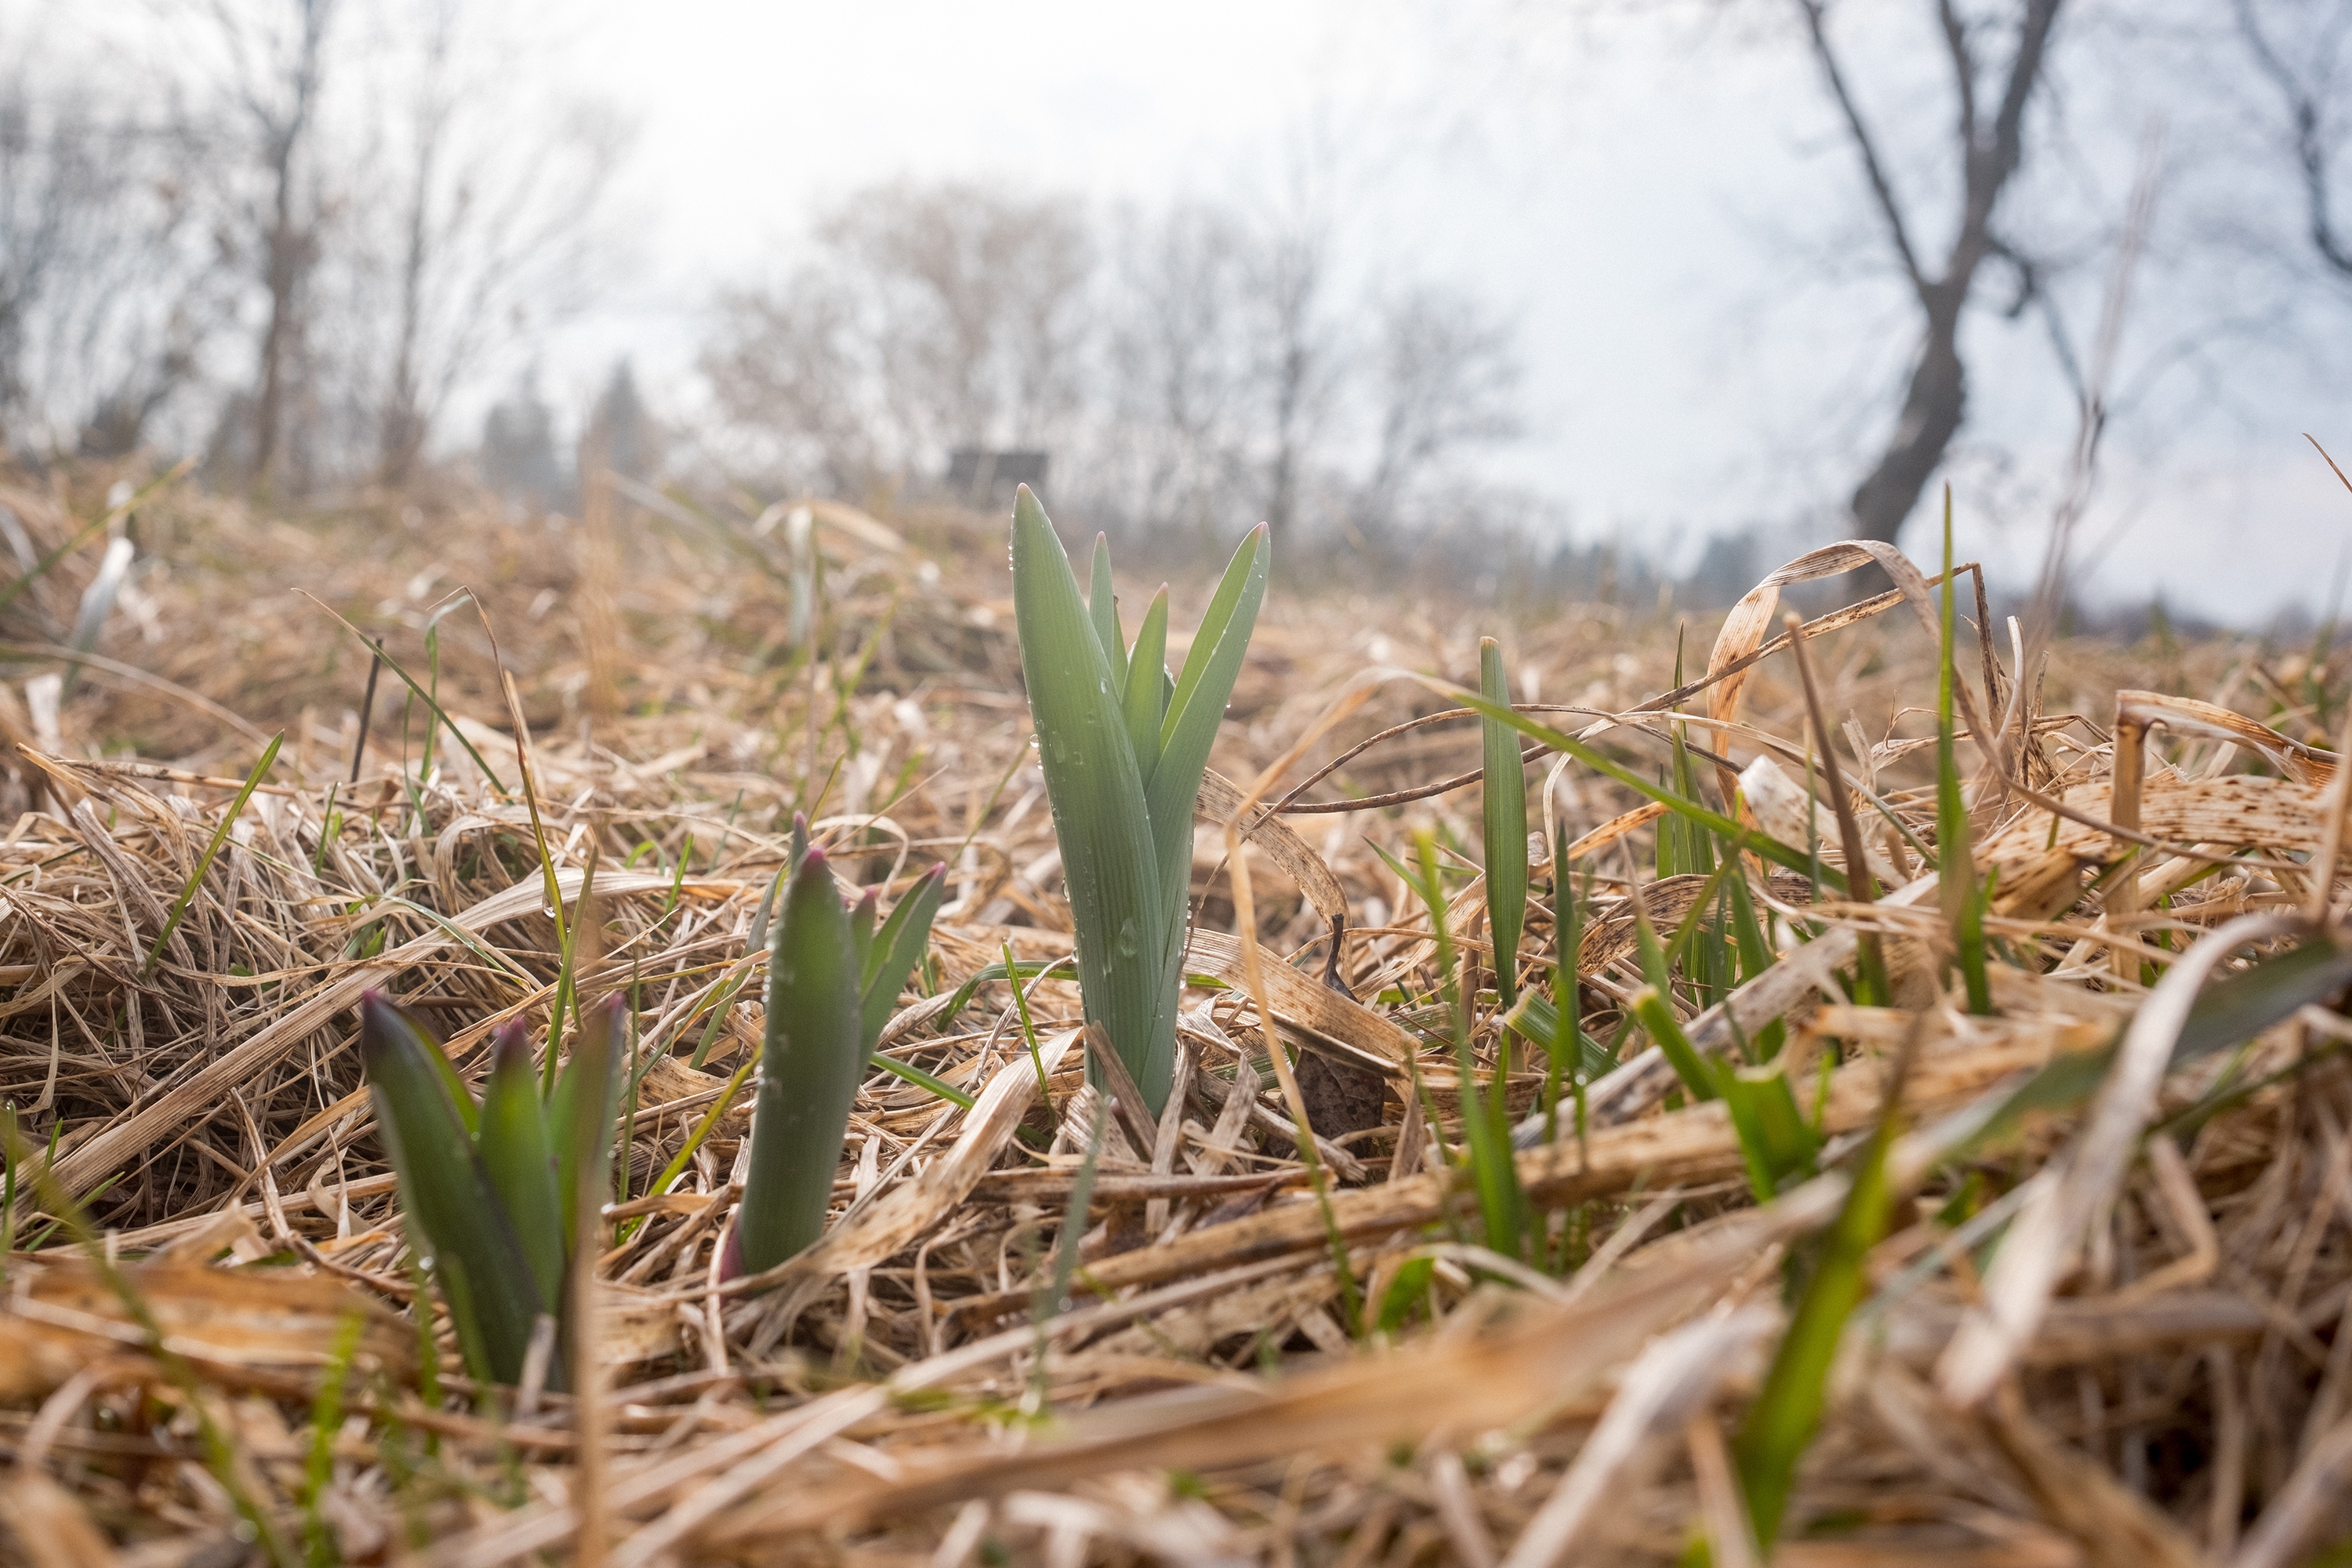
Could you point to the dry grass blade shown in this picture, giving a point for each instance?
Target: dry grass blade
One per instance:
(1008, 1340)
(2042, 1245)
(1675, 1374)
(201, 1091)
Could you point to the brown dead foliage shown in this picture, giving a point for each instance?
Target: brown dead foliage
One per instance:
(2179, 1389)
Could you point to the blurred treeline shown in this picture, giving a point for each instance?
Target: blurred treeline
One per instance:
(283, 235)
(325, 246)
(311, 241)
(1183, 367)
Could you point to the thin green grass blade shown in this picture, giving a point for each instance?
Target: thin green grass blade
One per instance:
(1775, 1141)
(1538, 1016)
(212, 851)
(1111, 867)
(677, 876)
(702, 1129)
(715, 1016)
(519, 1159)
(1733, 834)
(757, 936)
(1505, 821)
(1019, 970)
(1074, 1219)
(432, 703)
(810, 1067)
(1697, 849)
(1658, 1021)
(1102, 608)
(1755, 957)
(1494, 1175)
(1028, 1030)
(447, 1194)
(433, 677)
(1787, 1414)
(906, 1072)
(1956, 868)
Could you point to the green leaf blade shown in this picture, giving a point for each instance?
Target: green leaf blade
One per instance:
(580, 1113)
(809, 1065)
(897, 948)
(1781, 1425)
(447, 1193)
(1145, 698)
(1119, 902)
(1198, 707)
(1102, 608)
(519, 1159)
(1505, 812)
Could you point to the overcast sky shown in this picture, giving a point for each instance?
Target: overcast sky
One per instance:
(1665, 210)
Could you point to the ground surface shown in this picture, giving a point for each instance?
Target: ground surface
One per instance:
(2102, 1320)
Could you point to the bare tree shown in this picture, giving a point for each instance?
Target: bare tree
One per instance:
(975, 300)
(784, 374)
(277, 55)
(923, 316)
(1998, 58)
(2309, 77)
(104, 302)
(1290, 288)
(500, 232)
(1179, 357)
(49, 184)
(1447, 381)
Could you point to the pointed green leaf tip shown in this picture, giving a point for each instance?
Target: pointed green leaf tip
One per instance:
(1504, 811)
(811, 1061)
(519, 1159)
(582, 1111)
(1095, 789)
(896, 949)
(455, 1211)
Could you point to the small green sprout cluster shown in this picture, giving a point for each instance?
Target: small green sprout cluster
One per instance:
(1123, 747)
(496, 1190)
(833, 974)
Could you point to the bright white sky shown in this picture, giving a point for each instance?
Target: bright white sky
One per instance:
(1636, 199)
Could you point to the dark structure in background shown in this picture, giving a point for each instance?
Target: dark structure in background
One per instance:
(983, 478)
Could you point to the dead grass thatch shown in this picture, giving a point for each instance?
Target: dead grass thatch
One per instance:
(2154, 1364)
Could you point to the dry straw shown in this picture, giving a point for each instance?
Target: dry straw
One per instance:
(1420, 1245)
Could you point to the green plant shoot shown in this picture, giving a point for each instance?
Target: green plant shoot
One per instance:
(1963, 903)
(833, 974)
(1123, 749)
(1505, 821)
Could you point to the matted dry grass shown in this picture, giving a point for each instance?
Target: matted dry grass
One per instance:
(900, 1393)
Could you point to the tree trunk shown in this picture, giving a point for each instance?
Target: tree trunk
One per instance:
(1933, 408)
(289, 243)
(269, 403)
